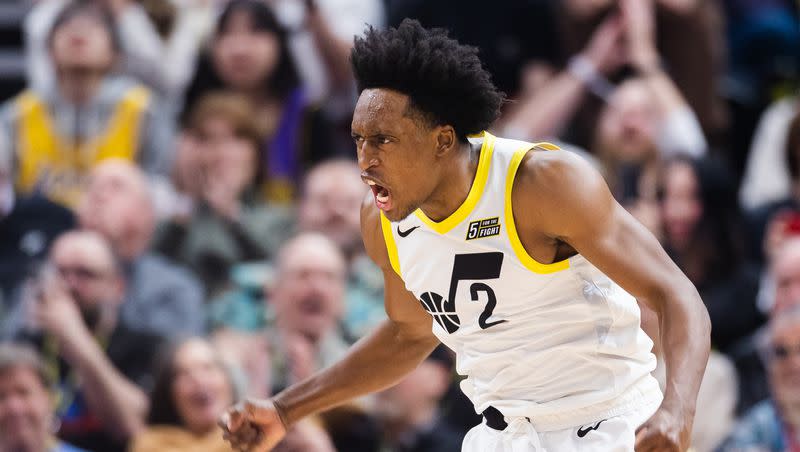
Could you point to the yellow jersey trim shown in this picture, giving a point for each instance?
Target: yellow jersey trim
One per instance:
(391, 246)
(522, 254)
(475, 192)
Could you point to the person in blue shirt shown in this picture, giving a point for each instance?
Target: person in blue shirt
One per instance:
(26, 403)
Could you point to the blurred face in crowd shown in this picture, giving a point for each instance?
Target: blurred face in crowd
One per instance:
(681, 206)
(117, 204)
(627, 126)
(786, 271)
(420, 389)
(226, 158)
(83, 42)
(201, 388)
(331, 203)
(25, 410)
(244, 56)
(308, 295)
(784, 365)
(85, 263)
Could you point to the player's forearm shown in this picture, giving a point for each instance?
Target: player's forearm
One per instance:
(686, 340)
(373, 363)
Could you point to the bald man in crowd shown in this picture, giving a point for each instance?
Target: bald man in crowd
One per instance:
(161, 296)
(331, 205)
(101, 366)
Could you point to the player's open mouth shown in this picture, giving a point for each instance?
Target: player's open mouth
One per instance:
(381, 193)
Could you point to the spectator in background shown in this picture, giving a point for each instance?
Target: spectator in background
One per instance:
(409, 411)
(307, 301)
(331, 205)
(780, 288)
(248, 55)
(320, 37)
(767, 177)
(26, 403)
(774, 425)
(763, 52)
(57, 133)
(702, 235)
(689, 39)
(150, 33)
(192, 389)
(100, 365)
(645, 118)
(224, 222)
(28, 224)
(304, 303)
(772, 214)
(786, 273)
(160, 297)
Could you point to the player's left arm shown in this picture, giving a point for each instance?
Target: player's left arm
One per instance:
(572, 203)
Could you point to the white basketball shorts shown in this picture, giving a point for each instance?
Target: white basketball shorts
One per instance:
(616, 434)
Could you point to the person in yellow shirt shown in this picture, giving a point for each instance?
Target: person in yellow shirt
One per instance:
(57, 134)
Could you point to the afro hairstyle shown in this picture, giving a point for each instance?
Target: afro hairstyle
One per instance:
(444, 80)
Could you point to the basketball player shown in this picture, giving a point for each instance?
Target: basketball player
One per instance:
(516, 256)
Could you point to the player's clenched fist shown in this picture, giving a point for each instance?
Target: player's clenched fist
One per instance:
(253, 426)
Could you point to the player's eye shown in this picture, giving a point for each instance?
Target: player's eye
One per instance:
(384, 140)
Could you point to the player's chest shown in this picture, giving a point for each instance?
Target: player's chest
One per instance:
(467, 286)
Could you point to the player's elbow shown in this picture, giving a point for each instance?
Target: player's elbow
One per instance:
(679, 299)
(687, 306)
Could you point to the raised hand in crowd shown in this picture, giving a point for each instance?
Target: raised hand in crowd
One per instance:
(639, 22)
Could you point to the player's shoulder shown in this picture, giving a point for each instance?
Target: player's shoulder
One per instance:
(372, 232)
(554, 174)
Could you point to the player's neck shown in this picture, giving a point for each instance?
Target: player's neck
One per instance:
(455, 183)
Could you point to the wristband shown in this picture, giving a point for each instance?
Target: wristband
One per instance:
(586, 71)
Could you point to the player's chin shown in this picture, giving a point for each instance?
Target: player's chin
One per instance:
(398, 213)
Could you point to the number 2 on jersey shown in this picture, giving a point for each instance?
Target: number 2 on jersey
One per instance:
(477, 266)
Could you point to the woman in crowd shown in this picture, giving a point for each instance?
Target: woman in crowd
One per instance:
(27, 420)
(192, 389)
(701, 232)
(222, 220)
(58, 132)
(248, 55)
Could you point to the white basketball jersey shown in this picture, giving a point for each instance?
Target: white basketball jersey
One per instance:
(559, 343)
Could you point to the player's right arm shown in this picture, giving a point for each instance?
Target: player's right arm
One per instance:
(375, 362)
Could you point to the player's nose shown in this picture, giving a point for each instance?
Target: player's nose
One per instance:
(367, 157)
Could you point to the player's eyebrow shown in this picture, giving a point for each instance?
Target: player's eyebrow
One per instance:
(373, 134)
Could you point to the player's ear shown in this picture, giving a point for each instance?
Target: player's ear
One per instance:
(446, 140)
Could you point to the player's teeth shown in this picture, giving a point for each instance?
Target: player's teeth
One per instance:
(383, 198)
(371, 182)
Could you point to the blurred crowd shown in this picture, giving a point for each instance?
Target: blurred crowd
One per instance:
(179, 205)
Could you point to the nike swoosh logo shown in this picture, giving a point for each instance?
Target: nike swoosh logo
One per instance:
(584, 431)
(406, 232)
